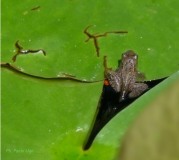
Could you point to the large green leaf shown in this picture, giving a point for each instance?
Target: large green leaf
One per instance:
(50, 120)
(155, 131)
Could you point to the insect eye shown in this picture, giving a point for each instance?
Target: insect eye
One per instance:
(135, 57)
(124, 55)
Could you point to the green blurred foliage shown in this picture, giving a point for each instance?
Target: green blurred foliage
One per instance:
(155, 131)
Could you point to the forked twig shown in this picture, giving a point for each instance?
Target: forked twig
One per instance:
(96, 36)
(20, 50)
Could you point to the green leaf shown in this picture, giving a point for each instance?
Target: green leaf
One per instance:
(155, 131)
(50, 120)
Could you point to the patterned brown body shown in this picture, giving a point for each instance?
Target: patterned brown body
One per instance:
(123, 79)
